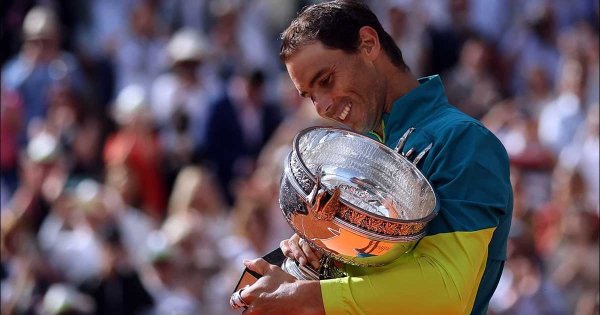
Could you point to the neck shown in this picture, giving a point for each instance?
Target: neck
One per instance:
(398, 83)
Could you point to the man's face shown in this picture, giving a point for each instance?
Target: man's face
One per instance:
(343, 87)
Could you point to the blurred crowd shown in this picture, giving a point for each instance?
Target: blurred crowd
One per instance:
(143, 142)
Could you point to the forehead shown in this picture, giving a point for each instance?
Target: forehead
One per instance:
(309, 60)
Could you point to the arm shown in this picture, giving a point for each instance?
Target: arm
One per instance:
(440, 276)
(464, 249)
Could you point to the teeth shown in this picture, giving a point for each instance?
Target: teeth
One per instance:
(343, 115)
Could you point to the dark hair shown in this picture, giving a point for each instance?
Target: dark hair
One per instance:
(336, 24)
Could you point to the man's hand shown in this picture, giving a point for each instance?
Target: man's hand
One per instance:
(277, 292)
(297, 249)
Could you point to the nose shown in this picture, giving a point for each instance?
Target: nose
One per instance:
(323, 103)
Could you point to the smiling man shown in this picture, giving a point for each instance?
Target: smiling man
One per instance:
(338, 55)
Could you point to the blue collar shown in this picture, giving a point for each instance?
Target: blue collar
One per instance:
(415, 106)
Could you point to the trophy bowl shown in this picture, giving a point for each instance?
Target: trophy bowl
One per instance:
(352, 198)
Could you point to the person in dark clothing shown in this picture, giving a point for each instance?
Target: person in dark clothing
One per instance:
(240, 124)
(118, 290)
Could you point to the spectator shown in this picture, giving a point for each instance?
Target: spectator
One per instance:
(66, 238)
(581, 156)
(539, 93)
(141, 56)
(560, 118)
(180, 100)
(240, 124)
(118, 289)
(531, 43)
(163, 279)
(470, 83)
(575, 259)
(197, 191)
(444, 40)
(407, 25)
(134, 146)
(79, 129)
(43, 175)
(11, 125)
(40, 64)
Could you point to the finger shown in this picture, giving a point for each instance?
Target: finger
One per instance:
(285, 248)
(311, 254)
(297, 252)
(258, 265)
(246, 297)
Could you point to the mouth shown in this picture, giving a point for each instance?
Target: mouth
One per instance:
(342, 116)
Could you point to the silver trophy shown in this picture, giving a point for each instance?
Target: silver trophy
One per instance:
(353, 199)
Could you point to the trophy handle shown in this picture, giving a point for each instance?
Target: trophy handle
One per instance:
(422, 154)
(408, 154)
(402, 140)
(311, 198)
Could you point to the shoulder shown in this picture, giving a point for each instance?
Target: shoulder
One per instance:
(470, 172)
(467, 144)
(464, 148)
(455, 132)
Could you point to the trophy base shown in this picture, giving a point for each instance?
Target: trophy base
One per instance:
(299, 272)
(328, 270)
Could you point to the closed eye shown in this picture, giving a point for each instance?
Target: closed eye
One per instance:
(326, 81)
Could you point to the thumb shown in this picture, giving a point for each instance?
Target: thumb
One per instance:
(258, 265)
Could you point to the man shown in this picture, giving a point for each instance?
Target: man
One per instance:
(41, 65)
(338, 55)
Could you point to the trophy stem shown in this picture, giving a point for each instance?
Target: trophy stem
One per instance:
(299, 272)
(328, 270)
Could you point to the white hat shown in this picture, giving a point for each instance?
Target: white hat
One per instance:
(187, 44)
(40, 22)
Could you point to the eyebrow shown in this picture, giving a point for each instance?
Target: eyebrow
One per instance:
(314, 79)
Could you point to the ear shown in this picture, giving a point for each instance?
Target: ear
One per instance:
(369, 43)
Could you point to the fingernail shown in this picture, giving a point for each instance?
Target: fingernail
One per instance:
(246, 261)
(302, 261)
